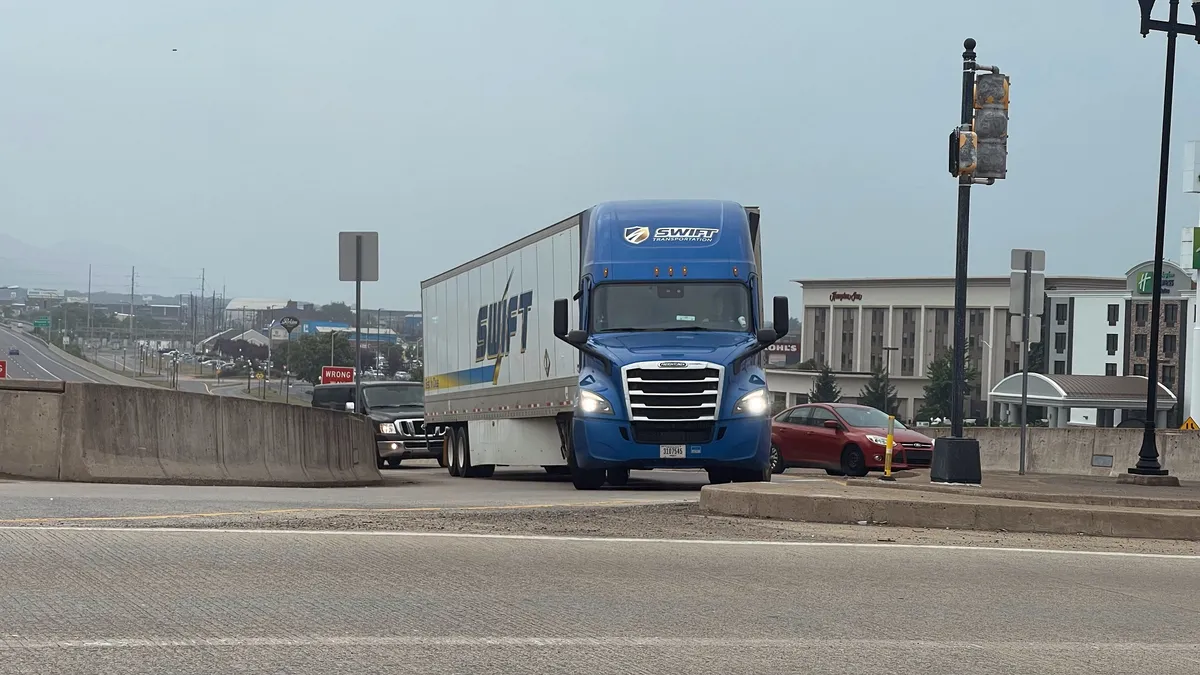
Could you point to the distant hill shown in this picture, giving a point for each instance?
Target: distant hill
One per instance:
(64, 266)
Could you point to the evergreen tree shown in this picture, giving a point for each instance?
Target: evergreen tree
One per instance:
(879, 393)
(825, 387)
(937, 392)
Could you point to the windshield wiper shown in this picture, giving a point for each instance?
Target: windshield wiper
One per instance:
(695, 328)
(624, 330)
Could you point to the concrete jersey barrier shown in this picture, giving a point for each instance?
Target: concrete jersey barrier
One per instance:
(109, 433)
(1083, 451)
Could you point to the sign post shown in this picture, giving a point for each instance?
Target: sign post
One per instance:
(358, 261)
(1026, 290)
(289, 324)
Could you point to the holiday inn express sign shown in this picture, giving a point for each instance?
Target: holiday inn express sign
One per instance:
(1174, 280)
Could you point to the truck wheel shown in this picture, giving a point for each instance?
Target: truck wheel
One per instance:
(453, 449)
(752, 475)
(718, 475)
(557, 470)
(618, 477)
(380, 462)
(584, 479)
(441, 458)
(468, 469)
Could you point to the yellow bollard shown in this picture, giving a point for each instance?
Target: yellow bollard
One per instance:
(887, 456)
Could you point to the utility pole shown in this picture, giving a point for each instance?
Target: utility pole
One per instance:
(89, 323)
(132, 282)
(199, 306)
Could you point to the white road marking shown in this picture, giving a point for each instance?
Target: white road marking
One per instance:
(602, 540)
(12, 643)
(39, 352)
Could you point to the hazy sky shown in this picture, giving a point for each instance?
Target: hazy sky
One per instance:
(453, 127)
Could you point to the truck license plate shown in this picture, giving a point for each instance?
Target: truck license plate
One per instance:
(672, 451)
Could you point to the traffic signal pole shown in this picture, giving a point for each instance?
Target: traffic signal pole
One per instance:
(978, 155)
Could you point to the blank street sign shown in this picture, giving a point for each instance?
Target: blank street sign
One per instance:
(370, 256)
(1035, 329)
(1018, 259)
(1016, 293)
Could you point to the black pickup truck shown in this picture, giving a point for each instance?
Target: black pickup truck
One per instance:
(397, 411)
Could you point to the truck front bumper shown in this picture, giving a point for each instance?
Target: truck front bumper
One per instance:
(743, 443)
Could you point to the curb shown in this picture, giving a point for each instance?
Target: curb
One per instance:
(933, 512)
(1042, 497)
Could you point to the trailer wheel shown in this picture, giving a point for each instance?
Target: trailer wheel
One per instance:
(453, 450)
(468, 469)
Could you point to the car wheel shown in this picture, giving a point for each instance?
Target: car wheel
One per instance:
(777, 465)
(834, 472)
(618, 477)
(854, 463)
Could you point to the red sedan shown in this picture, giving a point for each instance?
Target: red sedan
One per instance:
(843, 439)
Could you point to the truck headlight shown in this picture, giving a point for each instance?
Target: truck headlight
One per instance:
(877, 440)
(754, 403)
(593, 403)
(387, 428)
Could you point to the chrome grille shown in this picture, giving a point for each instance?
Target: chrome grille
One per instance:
(673, 391)
(418, 428)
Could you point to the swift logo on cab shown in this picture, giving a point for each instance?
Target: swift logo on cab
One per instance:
(638, 235)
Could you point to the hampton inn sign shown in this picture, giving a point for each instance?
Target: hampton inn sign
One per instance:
(854, 296)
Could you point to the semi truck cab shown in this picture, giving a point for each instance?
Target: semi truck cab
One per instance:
(671, 325)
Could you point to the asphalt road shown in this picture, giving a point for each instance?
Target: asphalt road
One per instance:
(151, 601)
(36, 361)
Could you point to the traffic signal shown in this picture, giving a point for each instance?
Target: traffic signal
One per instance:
(991, 125)
(964, 152)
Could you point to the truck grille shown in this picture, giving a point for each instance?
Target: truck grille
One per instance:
(685, 391)
(672, 432)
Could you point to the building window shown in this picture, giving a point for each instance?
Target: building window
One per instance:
(1060, 342)
(1060, 313)
(1139, 344)
(1110, 369)
(1168, 377)
(1141, 312)
(1139, 369)
(1171, 315)
(1170, 344)
(1111, 344)
(1114, 313)
(1060, 367)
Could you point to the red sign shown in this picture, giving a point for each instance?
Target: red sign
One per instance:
(3, 369)
(337, 374)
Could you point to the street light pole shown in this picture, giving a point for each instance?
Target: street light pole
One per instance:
(1148, 469)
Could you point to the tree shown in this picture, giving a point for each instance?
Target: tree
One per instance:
(941, 378)
(310, 353)
(879, 393)
(1037, 357)
(810, 364)
(338, 312)
(825, 387)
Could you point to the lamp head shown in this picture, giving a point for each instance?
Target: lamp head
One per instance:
(1147, 6)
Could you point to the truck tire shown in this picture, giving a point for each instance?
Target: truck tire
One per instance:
(618, 477)
(583, 479)
(557, 470)
(468, 469)
(752, 475)
(719, 474)
(454, 449)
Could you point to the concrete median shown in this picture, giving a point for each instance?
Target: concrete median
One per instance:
(109, 433)
(831, 502)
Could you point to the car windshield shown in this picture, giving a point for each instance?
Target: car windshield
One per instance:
(866, 418)
(393, 396)
(720, 306)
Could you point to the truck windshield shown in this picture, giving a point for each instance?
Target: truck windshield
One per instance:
(718, 306)
(396, 396)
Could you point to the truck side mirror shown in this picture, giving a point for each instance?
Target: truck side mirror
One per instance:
(571, 337)
(780, 317)
(561, 307)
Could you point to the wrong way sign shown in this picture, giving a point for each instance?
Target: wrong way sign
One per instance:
(3, 369)
(337, 374)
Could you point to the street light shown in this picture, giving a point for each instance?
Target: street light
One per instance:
(1148, 469)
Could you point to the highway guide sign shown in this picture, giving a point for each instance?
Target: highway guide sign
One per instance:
(41, 322)
(337, 374)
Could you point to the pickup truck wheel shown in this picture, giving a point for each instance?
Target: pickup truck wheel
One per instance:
(380, 462)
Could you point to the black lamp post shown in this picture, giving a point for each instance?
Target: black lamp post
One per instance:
(1148, 468)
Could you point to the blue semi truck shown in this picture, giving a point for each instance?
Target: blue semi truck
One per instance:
(649, 356)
